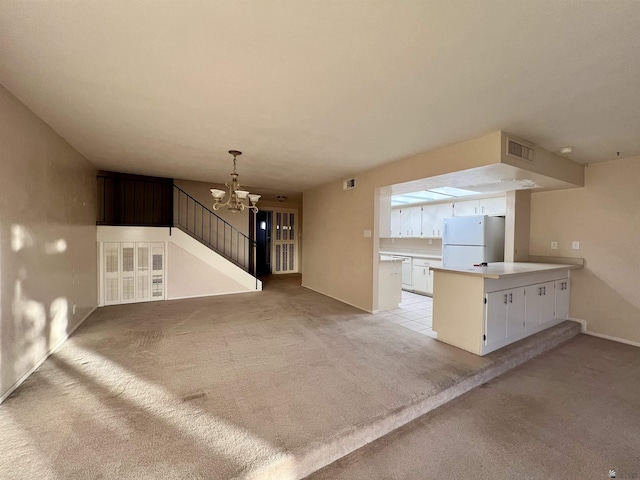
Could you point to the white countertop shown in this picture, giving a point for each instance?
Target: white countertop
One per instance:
(505, 269)
(389, 258)
(413, 255)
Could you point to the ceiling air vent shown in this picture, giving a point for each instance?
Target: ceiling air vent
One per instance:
(349, 184)
(520, 150)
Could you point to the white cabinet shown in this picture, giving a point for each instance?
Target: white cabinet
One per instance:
(493, 206)
(515, 312)
(504, 317)
(481, 313)
(465, 208)
(411, 221)
(389, 285)
(562, 299)
(395, 222)
(433, 218)
(420, 278)
(483, 206)
(539, 305)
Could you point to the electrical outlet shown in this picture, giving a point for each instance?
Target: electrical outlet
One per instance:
(367, 233)
(554, 245)
(575, 245)
(431, 241)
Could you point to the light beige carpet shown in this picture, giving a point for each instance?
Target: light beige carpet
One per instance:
(571, 413)
(258, 385)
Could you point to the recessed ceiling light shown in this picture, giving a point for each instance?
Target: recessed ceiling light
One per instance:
(566, 150)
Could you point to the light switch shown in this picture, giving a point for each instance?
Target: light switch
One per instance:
(367, 233)
(575, 245)
(554, 245)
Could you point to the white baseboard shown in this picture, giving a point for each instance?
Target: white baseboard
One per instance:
(338, 299)
(212, 294)
(581, 322)
(18, 382)
(602, 335)
(615, 339)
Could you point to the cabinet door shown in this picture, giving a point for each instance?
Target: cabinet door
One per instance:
(395, 222)
(532, 294)
(443, 210)
(143, 272)
(128, 272)
(466, 207)
(515, 312)
(420, 279)
(548, 303)
(429, 220)
(411, 221)
(111, 266)
(157, 271)
(493, 206)
(495, 327)
(562, 299)
(539, 305)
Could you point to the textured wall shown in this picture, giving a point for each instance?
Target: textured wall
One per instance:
(47, 239)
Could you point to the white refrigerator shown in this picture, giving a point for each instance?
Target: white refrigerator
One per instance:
(469, 241)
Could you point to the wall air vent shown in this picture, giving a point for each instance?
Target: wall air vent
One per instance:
(517, 148)
(349, 184)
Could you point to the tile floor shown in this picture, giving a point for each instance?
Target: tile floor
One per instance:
(414, 312)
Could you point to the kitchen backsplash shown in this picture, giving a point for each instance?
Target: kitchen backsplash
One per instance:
(411, 246)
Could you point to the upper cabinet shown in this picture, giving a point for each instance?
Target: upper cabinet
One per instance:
(396, 228)
(411, 221)
(483, 206)
(433, 218)
(427, 221)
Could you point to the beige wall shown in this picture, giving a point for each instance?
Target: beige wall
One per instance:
(338, 259)
(188, 276)
(48, 256)
(604, 217)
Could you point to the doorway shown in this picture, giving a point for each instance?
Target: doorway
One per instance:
(263, 242)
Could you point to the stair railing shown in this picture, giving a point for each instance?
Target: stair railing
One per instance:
(198, 221)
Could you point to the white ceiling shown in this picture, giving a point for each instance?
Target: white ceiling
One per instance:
(317, 91)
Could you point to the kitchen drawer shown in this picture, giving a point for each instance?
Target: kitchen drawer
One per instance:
(421, 262)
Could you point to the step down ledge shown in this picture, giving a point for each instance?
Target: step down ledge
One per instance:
(302, 462)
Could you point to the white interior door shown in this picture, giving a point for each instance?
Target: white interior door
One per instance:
(285, 255)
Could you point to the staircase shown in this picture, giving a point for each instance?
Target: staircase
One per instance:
(196, 220)
(135, 201)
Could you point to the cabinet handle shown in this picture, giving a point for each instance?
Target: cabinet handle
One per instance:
(544, 291)
(511, 298)
(539, 291)
(482, 209)
(505, 298)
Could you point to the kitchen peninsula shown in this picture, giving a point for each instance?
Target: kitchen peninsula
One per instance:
(481, 309)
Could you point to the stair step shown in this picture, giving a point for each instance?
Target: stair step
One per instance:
(302, 462)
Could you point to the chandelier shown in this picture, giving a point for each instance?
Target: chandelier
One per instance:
(237, 197)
